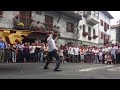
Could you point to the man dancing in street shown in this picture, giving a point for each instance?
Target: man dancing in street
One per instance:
(52, 52)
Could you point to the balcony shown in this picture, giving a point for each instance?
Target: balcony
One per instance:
(72, 14)
(92, 20)
(86, 13)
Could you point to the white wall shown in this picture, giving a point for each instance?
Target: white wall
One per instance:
(98, 29)
(113, 35)
(62, 23)
(83, 22)
(7, 20)
(101, 28)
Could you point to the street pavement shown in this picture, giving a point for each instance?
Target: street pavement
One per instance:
(69, 71)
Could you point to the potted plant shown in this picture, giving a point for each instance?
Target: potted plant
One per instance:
(89, 37)
(95, 36)
(85, 34)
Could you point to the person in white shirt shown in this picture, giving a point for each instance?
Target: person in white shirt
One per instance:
(96, 55)
(72, 53)
(76, 53)
(82, 53)
(113, 52)
(69, 54)
(60, 52)
(100, 55)
(20, 47)
(32, 52)
(52, 52)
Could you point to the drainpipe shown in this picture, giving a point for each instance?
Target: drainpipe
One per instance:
(77, 32)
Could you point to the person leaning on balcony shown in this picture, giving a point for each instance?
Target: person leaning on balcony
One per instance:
(40, 26)
(2, 48)
(17, 23)
(33, 24)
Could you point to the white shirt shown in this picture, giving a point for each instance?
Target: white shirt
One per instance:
(76, 51)
(34, 24)
(51, 43)
(103, 50)
(69, 50)
(61, 53)
(20, 46)
(100, 55)
(32, 49)
(107, 50)
(72, 51)
(96, 52)
(82, 51)
(38, 46)
(113, 50)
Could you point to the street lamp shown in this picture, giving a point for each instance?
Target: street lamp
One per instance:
(80, 27)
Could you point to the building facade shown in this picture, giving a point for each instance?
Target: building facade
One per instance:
(66, 22)
(77, 27)
(115, 34)
(95, 27)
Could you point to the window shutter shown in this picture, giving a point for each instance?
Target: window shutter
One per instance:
(101, 22)
(101, 35)
(93, 31)
(108, 37)
(107, 26)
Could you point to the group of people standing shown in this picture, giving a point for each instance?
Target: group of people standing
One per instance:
(23, 52)
(109, 54)
(44, 52)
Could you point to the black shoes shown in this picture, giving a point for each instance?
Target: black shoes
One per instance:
(46, 68)
(54, 69)
(57, 70)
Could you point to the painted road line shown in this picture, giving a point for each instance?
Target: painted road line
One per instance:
(114, 69)
(94, 68)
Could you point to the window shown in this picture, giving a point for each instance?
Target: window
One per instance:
(108, 37)
(1, 13)
(104, 36)
(101, 35)
(89, 30)
(101, 22)
(69, 27)
(93, 31)
(96, 14)
(107, 26)
(84, 28)
(49, 22)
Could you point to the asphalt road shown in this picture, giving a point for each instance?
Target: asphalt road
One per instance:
(69, 71)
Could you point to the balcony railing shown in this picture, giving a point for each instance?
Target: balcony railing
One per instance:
(92, 20)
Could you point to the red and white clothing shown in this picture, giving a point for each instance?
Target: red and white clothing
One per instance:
(82, 51)
(96, 51)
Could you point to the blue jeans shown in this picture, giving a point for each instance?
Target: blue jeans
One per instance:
(113, 58)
